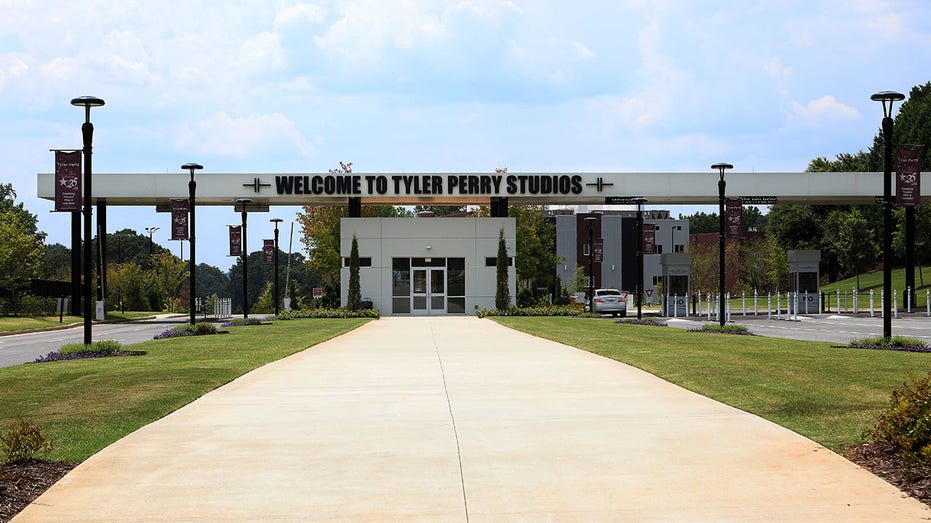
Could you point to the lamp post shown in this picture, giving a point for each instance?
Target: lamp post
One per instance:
(887, 98)
(151, 231)
(276, 221)
(245, 259)
(639, 201)
(721, 167)
(87, 130)
(192, 188)
(591, 265)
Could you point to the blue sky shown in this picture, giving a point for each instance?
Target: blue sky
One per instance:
(392, 86)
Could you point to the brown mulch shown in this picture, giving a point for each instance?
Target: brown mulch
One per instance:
(23, 481)
(880, 459)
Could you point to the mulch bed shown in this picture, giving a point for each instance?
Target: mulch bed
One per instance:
(880, 459)
(23, 481)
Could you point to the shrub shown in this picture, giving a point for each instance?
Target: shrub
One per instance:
(329, 313)
(525, 298)
(635, 321)
(32, 305)
(239, 322)
(906, 423)
(198, 329)
(542, 310)
(726, 329)
(98, 348)
(23, 440)
(900, 343)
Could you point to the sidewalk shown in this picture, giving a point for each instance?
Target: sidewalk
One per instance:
(460, 419)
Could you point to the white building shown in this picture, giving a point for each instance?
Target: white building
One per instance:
(427, 266)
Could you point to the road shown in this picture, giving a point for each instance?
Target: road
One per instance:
(832, 328)
(23, 348)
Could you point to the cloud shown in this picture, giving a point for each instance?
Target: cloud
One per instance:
(822, 110)
(223, 135)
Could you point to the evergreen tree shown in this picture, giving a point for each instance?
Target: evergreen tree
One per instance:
(502, 295)
(355, 292)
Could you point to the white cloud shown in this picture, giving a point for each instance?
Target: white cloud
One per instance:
(223, 135)
(779, 73)
(298, 15)
(821, 110)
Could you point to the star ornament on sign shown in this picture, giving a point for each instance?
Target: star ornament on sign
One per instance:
(70, 183)
(257, 184)
(599, 184)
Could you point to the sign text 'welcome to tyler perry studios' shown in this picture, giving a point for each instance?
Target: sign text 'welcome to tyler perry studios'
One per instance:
(451, 185)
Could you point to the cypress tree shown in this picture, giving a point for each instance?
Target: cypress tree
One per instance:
(355, 292)
(502, 296)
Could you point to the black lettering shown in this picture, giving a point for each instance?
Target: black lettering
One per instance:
(523, 183)
(473, 184)
(329, 185)
(437, 185)
(577, 184)
(453, 183)
(299, 185)
(397, 184)
(512, 184)
(356, 185)
(533, 184)
(408, 181)
(485, 184)
(381, 184)
(546, 185)
(564, 184)
(370, 183)
(316, 185)
(343, 185)
(496, 179)
(284, 184)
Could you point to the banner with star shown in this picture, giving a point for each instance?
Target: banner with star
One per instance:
(68, 181)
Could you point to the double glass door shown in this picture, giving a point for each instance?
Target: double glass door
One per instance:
(428, 290)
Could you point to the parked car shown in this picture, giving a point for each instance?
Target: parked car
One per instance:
(611, 301)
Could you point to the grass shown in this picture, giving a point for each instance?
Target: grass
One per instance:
(84, 405)
(827, 394)
(874, 280)
(20, 323)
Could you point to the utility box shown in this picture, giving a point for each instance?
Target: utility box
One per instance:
(804, 275)
(676, 268)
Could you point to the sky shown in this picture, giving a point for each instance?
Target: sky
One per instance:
(429, 86)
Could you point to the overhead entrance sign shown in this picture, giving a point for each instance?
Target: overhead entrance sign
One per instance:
(759, 200)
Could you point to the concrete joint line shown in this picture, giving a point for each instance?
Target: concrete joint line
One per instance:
(449, 405)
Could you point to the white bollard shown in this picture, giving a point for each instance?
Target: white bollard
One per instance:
(871, 303)
(769, 306)
(778, 307)
(699, 304)
(756, 304)
(686, 305)
(882, 299)
(675, 305)
(895, 304)
(838, 302)
(743, 296)
(709, 306)
(727, 306)
(908, 299)
(856, 302)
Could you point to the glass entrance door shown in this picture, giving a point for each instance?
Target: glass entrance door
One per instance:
(428, 291)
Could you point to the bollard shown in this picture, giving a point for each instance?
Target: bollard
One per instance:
(743, 296)
(727, 307)
(839, 311)
(908, 299)
(756, 304)
(709, 306)
(675, 305)
(686, 305)
(778, 307)
(856, 302)
(895, 304)
(769, 306)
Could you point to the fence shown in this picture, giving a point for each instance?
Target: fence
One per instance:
(788, 305)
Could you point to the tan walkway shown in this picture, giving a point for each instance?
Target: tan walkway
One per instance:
(459, 419)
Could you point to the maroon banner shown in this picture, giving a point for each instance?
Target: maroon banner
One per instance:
(235, 240)
(67, 181)
(733, 217)
(268, 249)
(179, 212)
(648, 233)
(598, 245)
(908, 175)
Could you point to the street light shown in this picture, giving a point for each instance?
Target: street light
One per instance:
(245, 259)
(887, 98)
(721, 167)
(192, 188)
(87, 130)
(639, 201)
(591, 265)
(151, 231)
(276, 221)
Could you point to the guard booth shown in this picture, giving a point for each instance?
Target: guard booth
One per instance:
(676, 268)
(804, 276)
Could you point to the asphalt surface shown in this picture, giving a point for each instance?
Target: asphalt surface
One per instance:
(16, 349)
(833, 328)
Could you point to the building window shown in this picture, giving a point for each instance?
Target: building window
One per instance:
(401, 285)
(679, 248)
(363, 262)
(492, 261)
(659, 249)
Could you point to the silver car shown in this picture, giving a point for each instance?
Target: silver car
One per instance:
(611, 301)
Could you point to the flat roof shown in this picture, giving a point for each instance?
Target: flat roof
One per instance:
(479, 188)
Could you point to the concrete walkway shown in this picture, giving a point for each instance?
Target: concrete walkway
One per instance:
(460, 419)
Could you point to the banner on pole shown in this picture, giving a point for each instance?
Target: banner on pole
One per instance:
(648, 233)
(179, 214)
(268, 250)
(598, 245)
(908, 175)
(235, 240)
(68, 181)
(733, 217)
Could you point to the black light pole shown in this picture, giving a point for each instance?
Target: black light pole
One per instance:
(276, 221)
(87, 130)
(721, 167)
(887, 98)
(192, 188)
(639, 201)
(151, 231)
(245, 259)
(591, 265)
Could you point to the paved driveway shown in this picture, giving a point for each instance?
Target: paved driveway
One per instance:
(460, 419)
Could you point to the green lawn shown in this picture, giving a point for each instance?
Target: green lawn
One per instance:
(874, 280)
(84, 405)
(827, 394)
